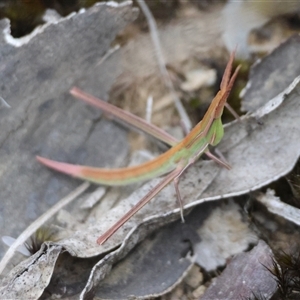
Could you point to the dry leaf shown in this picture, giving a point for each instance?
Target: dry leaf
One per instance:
(223, 235)
(271, 75)
(277, 207)
(35, 79)
(244, 276)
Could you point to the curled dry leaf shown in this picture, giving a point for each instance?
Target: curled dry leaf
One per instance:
(277, 207)
(25, 282)
(272, 75)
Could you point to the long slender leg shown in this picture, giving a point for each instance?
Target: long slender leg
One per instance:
(179, 199)
(232, 111)
(171, 176)
(192, 161)
(176, 181)
(218, 160)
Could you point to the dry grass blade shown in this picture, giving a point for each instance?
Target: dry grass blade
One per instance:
(162, 65)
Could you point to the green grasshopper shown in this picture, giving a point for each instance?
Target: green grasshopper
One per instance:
(209, 131)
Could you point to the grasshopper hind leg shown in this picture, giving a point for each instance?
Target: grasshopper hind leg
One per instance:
(179, 199)
(218, 160)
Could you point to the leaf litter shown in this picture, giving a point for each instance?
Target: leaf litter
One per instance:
(262, 167)
(207, 180)
(249, 144)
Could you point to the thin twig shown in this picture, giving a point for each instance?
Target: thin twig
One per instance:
(162, 65)
(108, 54)
(31, 229)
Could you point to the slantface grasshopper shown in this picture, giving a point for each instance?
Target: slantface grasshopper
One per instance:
(209, 131)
